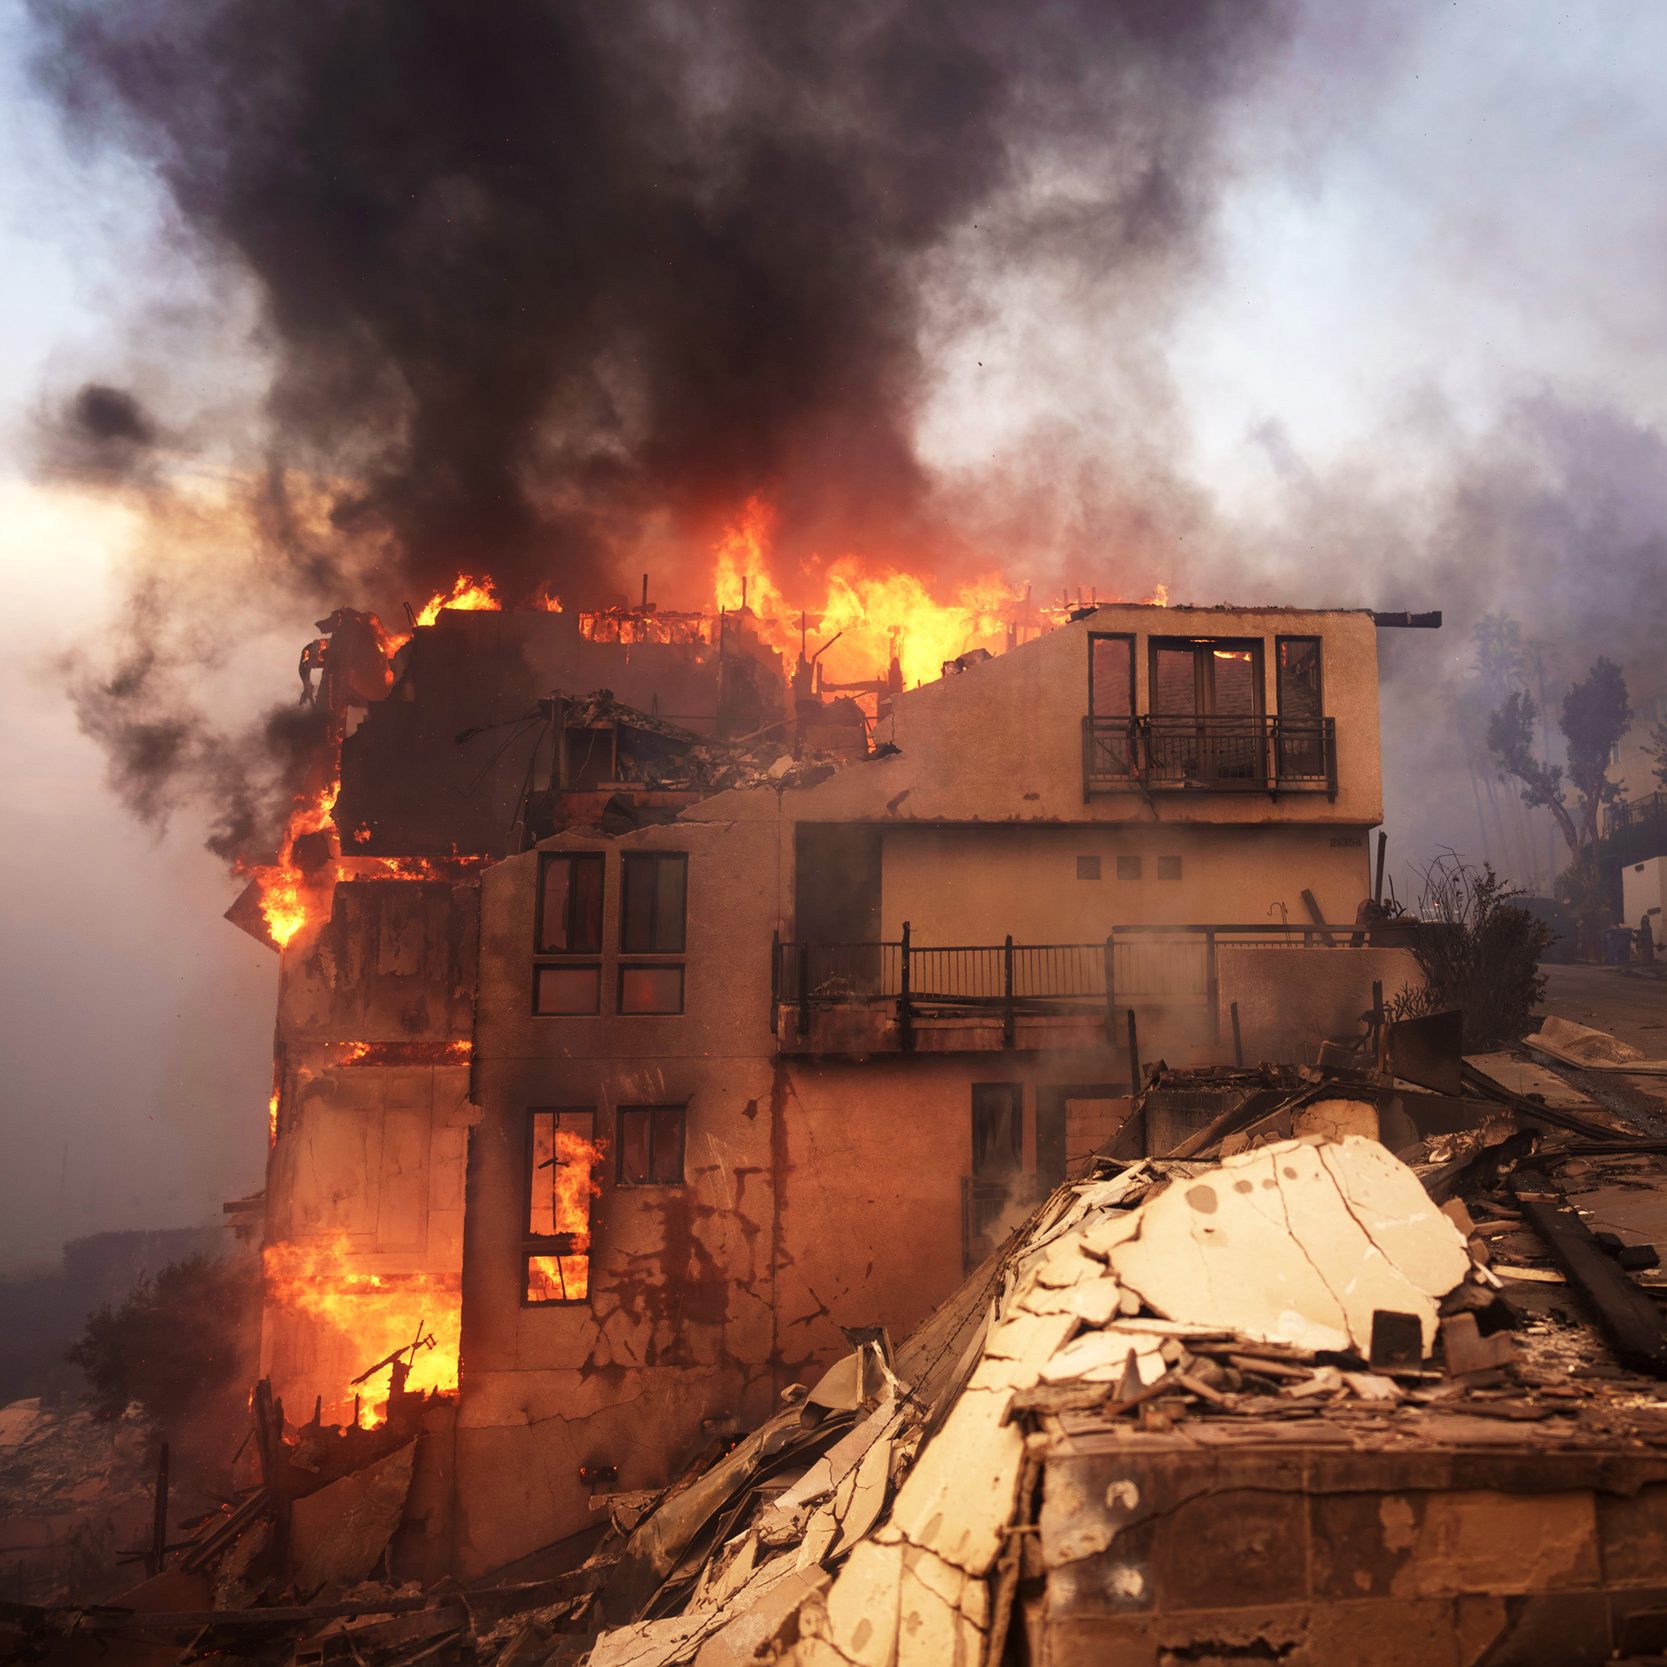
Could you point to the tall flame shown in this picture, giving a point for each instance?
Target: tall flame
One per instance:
(371, 1315)
(566, 1277)
(467, 594)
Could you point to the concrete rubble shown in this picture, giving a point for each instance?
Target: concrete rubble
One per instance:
(1370, 1373)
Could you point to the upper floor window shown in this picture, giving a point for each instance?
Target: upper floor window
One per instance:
(568, 925)
(1204, 677)
(569, 903)
(655, 886)
(652, 918)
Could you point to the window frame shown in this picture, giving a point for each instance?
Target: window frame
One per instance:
(545, 1244)
(621, 1112)
(596, 860)
(646, 859)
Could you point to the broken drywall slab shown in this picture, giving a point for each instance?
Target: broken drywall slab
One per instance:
(337, 1534)
(1298, 1242)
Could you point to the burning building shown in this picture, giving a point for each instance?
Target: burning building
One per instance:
(643, 990)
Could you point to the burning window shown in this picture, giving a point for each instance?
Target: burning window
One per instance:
(654, 895)
(569, 903)
(651, 1140)
(562, 1156)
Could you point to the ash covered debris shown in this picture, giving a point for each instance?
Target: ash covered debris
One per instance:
(1309, 1398)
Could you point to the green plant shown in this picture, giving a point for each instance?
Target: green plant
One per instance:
(1477, 952)
(174, 1339)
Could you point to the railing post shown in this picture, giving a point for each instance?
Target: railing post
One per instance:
(1212, 983)
(1134, 1056)
(804, 992)
(1111, 991)
(1007, 992)
(905, 1017)
(775, 977)
(1328, 734)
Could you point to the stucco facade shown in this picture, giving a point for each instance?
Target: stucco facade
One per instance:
(841, 1173)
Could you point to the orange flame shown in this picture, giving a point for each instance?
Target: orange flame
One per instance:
(372, 1314)
(566, 1211)
(467, 595)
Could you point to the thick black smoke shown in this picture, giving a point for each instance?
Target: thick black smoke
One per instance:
(537, 275)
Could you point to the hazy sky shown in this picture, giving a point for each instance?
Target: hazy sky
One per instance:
(1433, 281)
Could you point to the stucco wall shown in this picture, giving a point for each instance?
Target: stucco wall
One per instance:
(1003, 740)
(975, 885)
(1291, 1000)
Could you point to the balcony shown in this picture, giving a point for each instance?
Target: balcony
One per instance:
(903, 996)
(1636, 829)
(1210, 754)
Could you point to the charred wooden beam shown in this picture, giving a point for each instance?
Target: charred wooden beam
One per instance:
(1628, 1318)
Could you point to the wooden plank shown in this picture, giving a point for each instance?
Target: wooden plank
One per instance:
(1628, 1318)
(1522, 1076)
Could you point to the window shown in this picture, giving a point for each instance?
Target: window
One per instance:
(1128, 868)
(1206, 727)
(569, 903)
(654, 901)
(651, 918)
(651, 986)
(560, 989)
(1110, 676)
(1301, 710)
(562, 1155)
(1169, 868)
(651, 1146)
(1088, 868)
(1110, 704)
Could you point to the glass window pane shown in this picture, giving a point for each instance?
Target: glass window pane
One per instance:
(1111, 676)
(671, 873)
(570, 904)
(567, 989)
(1237, 687)
(666, 1168)
(552, 920)
(1174, 681)
(1299, 677)
(585, 931)
(541, 1212)
(650, 989)
(633, 1145)
(637, 908)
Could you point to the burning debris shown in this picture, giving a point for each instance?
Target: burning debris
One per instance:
(1419, 1367)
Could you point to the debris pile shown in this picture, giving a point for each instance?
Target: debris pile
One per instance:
(1358, 1343)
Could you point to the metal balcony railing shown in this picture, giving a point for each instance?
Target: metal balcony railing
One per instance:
(1170, 965)
(1213, 754)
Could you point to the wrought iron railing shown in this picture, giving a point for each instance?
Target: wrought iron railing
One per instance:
(1175, 966)
(1215, 754)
